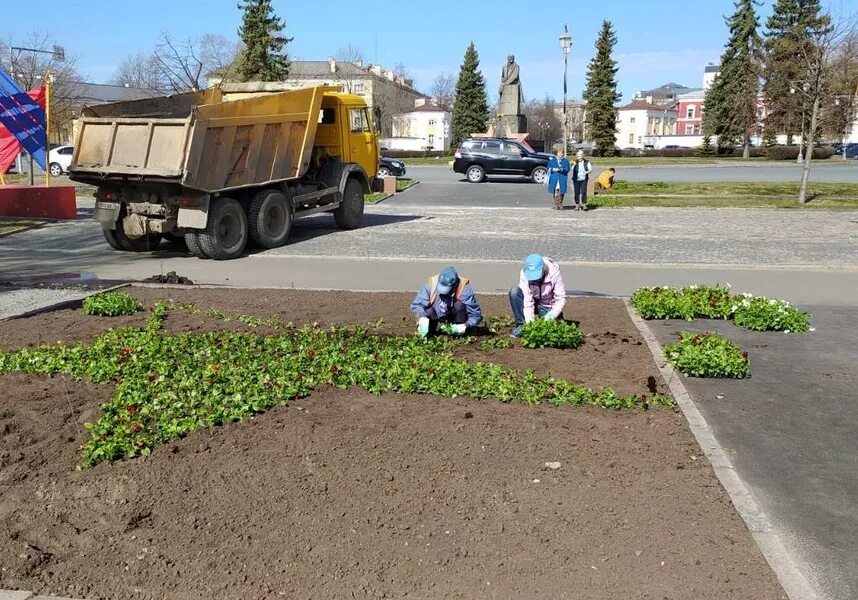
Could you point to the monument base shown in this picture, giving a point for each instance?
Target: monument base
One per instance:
(509, 125)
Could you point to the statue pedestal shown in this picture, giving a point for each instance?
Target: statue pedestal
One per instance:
(510, 124)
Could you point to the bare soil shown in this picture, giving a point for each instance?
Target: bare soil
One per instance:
(349, 495)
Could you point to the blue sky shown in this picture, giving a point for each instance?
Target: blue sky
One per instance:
(659, 40)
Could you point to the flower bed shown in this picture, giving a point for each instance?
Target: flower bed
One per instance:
(540, 333)
(707, 355)
(111, 304)
(169, 385)
(757, 313)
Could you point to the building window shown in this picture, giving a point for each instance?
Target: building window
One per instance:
(690, 113)
(689, 129)
(431, 122)
(632, 120)
(697, 130)
(359, 88)
(431, 140)
(631, 138)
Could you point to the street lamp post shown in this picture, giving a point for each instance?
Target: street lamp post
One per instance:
(566, 45)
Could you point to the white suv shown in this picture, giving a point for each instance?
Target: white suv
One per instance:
(59, 160)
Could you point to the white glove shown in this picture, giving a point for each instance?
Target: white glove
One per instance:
(458, 329)
(423, 326)
(550, 316)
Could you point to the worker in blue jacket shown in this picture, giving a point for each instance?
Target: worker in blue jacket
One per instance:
(448, 300)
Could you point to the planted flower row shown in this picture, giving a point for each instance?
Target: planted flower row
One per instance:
(170, 385)
(757, 313)
(707, 355)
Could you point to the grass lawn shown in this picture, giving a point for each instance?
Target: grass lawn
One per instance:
(719, 201)
(631, 161)
(401, 186)
(81, 189)
(13, 225)
(828, 191)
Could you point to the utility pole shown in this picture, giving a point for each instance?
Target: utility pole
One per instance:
(566, 46)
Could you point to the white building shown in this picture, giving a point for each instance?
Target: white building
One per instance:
(426, 127)
(641, 125)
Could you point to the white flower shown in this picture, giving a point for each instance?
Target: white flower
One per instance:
(773, 301)
(693, 287)
(812, 329)
(747, 295)
(734, 308)
(786, 330)
(729, 286)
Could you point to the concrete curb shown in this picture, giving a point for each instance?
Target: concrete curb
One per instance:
(21, 595)
(787, 567)
(59, 306)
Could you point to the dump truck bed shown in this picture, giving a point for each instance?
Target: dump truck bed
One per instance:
(217, 146)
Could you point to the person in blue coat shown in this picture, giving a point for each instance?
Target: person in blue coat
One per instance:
(558, 172)
(448, 300)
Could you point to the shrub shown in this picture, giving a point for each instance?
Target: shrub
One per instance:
(541, 333)
(707, 355)
(111, 304)
(439, 154)
(791, 153)
(759, 313)
(756, 152)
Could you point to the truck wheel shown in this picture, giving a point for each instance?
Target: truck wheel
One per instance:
(270, 219)
(119, 241)
(350, 213)
(225, 235)
(192, 241)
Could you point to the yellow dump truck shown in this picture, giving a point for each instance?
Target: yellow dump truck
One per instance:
(219, 173)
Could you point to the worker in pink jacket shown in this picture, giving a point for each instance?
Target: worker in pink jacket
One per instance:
(540, 292)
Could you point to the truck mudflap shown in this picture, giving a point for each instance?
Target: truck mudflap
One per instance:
(193, 214)
(107, 213)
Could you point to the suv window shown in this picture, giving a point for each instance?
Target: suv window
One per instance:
(491, 147)
(509, 149)
(471, 145)
(69, 150)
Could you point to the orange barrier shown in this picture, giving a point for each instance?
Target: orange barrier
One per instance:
(34, 201)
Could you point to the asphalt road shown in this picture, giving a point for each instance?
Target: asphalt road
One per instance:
(790, 433)
(831, 171)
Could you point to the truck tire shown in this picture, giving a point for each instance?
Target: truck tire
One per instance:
(192, 241)
(119, 241)
(350, 213)
(269, 219)
(225, 235)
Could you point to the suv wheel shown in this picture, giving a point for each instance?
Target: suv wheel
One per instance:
(539, 174)
(475, 174)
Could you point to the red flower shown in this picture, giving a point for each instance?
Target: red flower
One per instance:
(334, 368)
(136, 427)
(215, 368)
(132, 410)
(311, 353)
(745, 355)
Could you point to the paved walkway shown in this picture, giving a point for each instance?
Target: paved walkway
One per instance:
(791, 432)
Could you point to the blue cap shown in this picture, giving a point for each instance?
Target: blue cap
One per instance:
(533, 266)
(446, 280)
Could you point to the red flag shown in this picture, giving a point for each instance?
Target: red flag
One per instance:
(9, 146)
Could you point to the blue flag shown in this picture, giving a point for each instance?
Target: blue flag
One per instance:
(23, 117)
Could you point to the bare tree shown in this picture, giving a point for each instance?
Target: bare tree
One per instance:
(392, 97)
(542, 121)
(819, 65)
(837, 117)
(180, 63)
(346, 61)
(219, 56)
(443, 90)
(140, 71)
(29, 70)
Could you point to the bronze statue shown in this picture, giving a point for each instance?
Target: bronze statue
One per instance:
(510, 89)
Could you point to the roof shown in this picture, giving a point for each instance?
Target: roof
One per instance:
(100, 93)
(712, 69)
(698, 94)
(641, 105)
(322, 68)
(667, 88)
(427, 108)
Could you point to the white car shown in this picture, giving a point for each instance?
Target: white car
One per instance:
(59, 160)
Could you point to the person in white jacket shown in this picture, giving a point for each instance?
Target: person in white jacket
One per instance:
(540, 291)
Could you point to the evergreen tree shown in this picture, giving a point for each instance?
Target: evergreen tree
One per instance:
(470, 106)
(706, 149)
(264, 57)
(789, 28)
(730, 109)
(601, 95)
